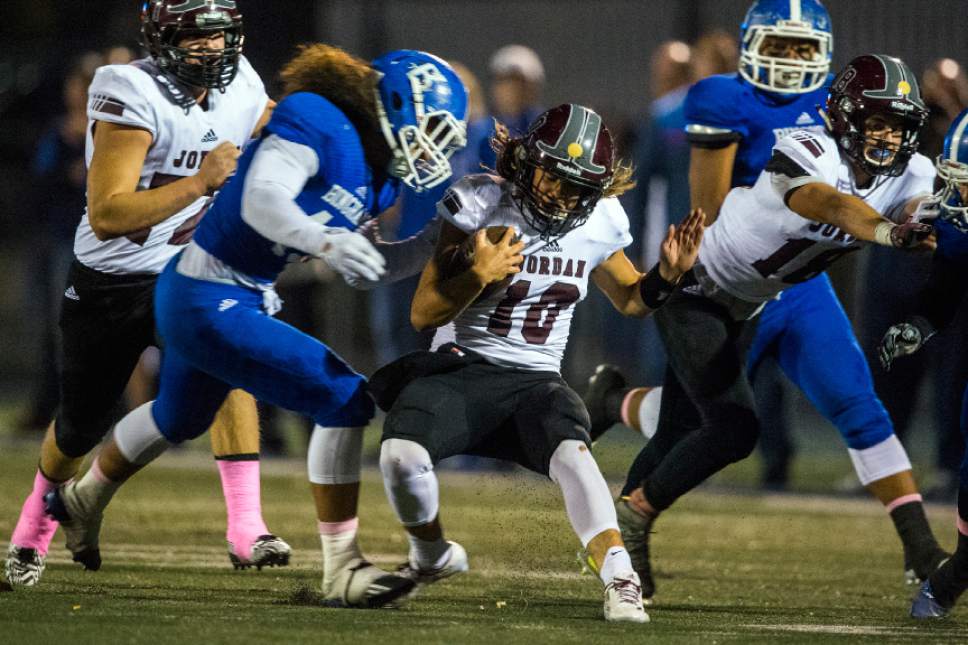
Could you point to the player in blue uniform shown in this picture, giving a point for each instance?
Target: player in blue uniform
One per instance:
(939, 301)
(335, 152)
(734, 120)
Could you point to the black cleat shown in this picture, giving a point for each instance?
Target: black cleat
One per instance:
(603, 399)
(635, 531)
(267, 551)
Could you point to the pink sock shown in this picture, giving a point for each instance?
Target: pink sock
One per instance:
(902, 500)
(962, 526)
(240, 484)
(35, 529)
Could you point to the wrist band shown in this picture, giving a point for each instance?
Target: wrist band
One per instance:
(882, 233)
(655, 289)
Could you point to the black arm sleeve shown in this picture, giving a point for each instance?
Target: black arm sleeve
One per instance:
(944, 293)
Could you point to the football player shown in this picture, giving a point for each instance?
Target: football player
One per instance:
(164, 133)
(820, 196)
(497, 390)
(734, 122)
(334, 153)
(939, 301)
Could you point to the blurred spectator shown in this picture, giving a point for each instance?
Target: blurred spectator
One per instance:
(517, 81)
(59, 177)
(884, 301)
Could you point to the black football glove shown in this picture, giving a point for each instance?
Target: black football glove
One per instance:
(903, 339)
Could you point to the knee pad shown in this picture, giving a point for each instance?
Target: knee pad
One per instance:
(588, 500)
(335, 455)
(76, 439)
(410, 482)
(138, 437)
(879, 461)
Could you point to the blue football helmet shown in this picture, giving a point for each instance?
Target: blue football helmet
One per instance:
(422, 105)
(802, 20)
(952, 165)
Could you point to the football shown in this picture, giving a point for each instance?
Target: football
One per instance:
(462, 256)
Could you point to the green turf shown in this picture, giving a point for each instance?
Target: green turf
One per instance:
(733, 568)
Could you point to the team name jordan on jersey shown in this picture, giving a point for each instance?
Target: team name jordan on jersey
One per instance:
(526, 325)
(139, 95)
(758, 247)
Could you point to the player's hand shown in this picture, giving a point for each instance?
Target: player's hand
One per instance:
(680, 248)
(910, 234)
(352, 256)
(495, 261)
(901, 339)
(219, 165)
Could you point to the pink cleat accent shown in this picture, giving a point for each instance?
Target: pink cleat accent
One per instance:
(35, 529)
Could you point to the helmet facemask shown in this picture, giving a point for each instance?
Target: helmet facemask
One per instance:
(879, 155)
(551, 202)
(781, 74)
(422, 150)
(954, 192)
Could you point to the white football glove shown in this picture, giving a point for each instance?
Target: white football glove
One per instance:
(352, 256)
(903, 339)
(928, 209)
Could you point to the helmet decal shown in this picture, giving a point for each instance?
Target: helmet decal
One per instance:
(580, 135)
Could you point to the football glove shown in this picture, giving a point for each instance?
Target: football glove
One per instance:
(352, 256)
(903, 339)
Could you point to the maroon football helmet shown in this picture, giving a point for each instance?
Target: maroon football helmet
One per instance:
(574, 149)
(166, 23)
(871, 85)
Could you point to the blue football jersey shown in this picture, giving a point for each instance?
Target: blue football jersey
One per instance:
(342, 193)
(725, 108)
(952, 243)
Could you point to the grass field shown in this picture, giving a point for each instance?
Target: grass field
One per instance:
(732, 569)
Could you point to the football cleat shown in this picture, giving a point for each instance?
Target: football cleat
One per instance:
(456, 563)
(635, 531)
(623, 600)
(914, 577)
(82, 527)
(363, 585)
(925, 605)
(605, 380)
(24, 567)
(267, 551)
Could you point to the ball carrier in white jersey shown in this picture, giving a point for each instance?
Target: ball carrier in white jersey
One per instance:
(820, 197)
(164, 134)
(497, 391)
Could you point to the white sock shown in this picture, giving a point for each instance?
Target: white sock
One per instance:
(94, 490)
(428, 556)
(617, 562)
(339, 547)
(649, 412)
(335, 455)
(588, 501)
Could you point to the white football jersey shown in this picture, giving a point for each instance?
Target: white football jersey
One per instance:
(758, 247)
(526, 325)
(135, 95)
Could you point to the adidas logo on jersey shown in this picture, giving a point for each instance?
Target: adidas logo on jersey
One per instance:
(227, 304)
(552, 247)
(211, 137)
(71, 293)
(805, 119)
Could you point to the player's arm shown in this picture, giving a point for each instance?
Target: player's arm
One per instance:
(636, 294)
(404, 258)
(115, 205)
(275, 178)
(710, 177)
(441, 297)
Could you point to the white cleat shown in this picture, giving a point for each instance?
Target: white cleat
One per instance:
(267, 551)
(82, 526)
(24, 567)
(455, 563)
(623, 600)
(363, 585)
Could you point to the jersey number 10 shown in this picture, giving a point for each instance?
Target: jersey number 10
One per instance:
(556, 298)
